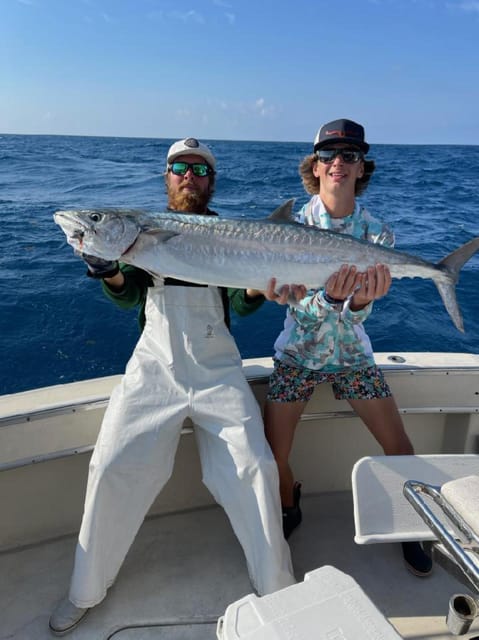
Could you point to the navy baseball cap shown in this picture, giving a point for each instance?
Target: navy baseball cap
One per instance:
(341, 130)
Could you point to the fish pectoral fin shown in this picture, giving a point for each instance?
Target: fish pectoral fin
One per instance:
(284, 213)
(161, 234)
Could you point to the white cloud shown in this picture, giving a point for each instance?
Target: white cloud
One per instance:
(263, 109)
(256, 108)
(212, 113)
(229, 15)
(183, 114)
(188, 16)
(470, 7)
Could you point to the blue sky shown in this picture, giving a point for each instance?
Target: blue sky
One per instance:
(241, 69)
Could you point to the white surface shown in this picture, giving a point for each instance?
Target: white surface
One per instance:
(381, 512)
(184, 569)
(463, 495)
(327, 604)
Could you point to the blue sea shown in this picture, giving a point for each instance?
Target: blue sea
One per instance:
(55, 324)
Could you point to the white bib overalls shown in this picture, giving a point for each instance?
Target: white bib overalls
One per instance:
(186, 364)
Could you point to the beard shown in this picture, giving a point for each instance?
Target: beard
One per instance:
(191, 201)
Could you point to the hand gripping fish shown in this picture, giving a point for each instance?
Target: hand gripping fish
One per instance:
(246, 253)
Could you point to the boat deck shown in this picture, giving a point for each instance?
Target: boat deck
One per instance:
(185, 568)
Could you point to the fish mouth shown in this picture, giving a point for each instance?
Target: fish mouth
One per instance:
(75, 230)
(78, 236)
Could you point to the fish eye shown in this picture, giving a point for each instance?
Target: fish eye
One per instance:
(95, 217)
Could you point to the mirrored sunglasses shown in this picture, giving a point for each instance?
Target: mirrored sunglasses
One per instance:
(350, 156)
(199, 169)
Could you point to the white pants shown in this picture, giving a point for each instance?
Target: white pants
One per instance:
(192, 370)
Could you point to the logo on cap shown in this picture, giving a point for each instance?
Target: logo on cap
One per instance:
(192, 143)
(351, 133)
(336, 132)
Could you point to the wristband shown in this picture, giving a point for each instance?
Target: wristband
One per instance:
(334, 301)
(104, 274)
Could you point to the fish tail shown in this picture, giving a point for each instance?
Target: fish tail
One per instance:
(452, 265)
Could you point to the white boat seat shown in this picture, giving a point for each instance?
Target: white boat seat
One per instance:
(463, 495)
(381, 512)
(327, 605)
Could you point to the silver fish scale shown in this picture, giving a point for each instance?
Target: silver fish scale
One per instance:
(317, 246)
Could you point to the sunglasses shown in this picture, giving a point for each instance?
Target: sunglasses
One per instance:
(350, 156)
(199, 169)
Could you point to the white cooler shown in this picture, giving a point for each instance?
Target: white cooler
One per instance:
(327, 605)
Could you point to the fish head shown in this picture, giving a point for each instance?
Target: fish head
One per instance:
(104, 233)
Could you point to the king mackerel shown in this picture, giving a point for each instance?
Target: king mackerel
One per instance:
(246, 253)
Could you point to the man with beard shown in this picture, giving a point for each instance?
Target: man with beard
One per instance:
(185, 365)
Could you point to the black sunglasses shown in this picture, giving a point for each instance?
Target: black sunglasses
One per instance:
(199, 169)
(350, 156)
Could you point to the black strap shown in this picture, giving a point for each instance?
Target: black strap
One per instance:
(172, 282)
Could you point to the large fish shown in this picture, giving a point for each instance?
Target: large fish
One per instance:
(246, 253)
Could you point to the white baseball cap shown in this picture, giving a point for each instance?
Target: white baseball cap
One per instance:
(190, 146)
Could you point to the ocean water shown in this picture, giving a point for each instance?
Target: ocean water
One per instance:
(55, 324)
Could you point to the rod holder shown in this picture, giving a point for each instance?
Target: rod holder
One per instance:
(461, 613)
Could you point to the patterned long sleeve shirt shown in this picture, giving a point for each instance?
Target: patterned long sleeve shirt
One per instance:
(316, 335)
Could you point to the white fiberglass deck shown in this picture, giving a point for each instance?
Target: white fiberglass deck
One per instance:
(185, 566)
(184, 569)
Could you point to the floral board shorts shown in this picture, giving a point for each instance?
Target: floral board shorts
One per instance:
(292, 384)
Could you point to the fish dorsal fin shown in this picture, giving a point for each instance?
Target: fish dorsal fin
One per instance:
(284, 213)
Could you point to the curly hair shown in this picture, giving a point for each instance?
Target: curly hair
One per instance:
(311, 183)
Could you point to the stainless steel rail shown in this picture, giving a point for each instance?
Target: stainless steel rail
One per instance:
(457, 556)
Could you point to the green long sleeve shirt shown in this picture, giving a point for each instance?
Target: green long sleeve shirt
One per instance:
(136, 286)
